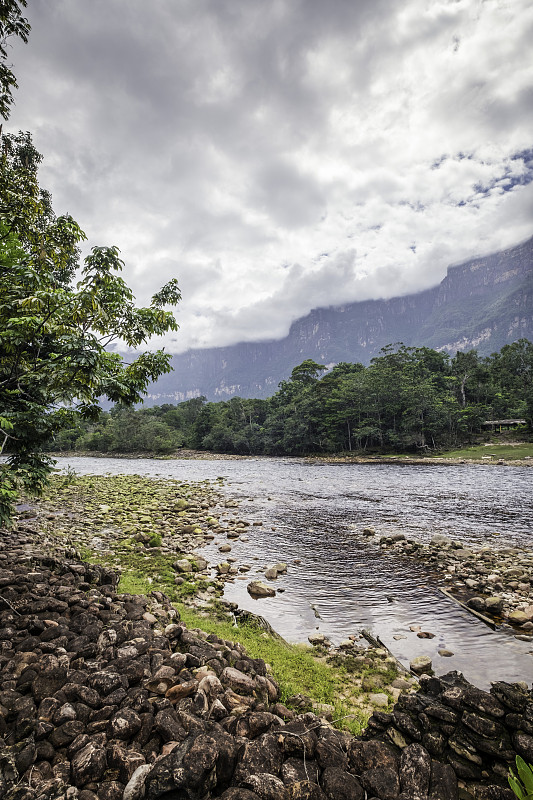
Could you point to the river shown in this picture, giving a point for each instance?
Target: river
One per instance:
(338, 582)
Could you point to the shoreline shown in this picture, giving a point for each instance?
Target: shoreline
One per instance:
(203, 455)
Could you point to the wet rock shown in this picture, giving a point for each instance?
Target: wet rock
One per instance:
(494, 605)
(260, 589)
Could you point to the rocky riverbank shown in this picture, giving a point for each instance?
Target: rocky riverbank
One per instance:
(496, 583)
(107, 696)
(149, 531)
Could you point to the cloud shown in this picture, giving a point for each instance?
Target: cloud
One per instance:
(281, 155)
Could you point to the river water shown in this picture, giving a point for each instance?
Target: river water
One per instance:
(338, 582)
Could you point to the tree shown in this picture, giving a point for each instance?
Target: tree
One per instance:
(12, 23)
(54, 361)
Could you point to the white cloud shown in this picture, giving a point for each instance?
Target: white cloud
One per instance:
(286, 154)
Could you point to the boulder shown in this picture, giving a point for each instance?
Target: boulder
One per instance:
(420, 665)
(260, 589)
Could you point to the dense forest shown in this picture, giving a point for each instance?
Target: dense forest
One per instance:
(408, 400)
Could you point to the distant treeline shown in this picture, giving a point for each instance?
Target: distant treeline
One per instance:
(408, 400)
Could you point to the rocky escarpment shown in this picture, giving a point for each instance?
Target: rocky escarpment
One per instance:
(483, 303)
(111, 696)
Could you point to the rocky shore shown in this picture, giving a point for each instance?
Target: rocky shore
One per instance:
(150, 532)
(495, 583)
(107, 696)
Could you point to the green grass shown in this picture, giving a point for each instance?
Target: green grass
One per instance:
(507, 451)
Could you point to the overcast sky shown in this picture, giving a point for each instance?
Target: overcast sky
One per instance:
(279, 155)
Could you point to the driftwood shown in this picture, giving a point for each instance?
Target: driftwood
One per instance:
(375, 641)
(478, 614)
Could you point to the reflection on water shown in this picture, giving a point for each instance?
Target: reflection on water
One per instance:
(314, 514)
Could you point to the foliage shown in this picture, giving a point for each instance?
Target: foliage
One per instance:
(12, 23)
(54, 361)
(409, 399)
(522, 783)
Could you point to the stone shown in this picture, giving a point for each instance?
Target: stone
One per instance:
(379, 699)
(367, 755)
(182, 565)
(421, 665)
(478, 604)
(260, 589)
(180, 690)
(305, 790)
(271, 573)
(494, 605)
(415, 770)
(340, 785)
(318, 640)
(261, 755)
(237, 681)
(381, 782)
(443, 782)
(518, 617)
(523, 743)
(267, 786)
(124, 724)
(88, 764)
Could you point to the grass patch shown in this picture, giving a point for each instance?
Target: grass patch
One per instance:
(509, 452)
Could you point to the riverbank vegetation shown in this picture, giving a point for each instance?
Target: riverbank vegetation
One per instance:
(409, 400)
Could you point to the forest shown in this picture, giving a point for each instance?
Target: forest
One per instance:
(407, 400)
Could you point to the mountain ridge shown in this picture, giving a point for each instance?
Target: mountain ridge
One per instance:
(482, 303)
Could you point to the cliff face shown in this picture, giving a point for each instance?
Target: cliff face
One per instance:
(483, 304)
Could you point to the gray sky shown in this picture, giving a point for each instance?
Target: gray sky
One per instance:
(279, 155)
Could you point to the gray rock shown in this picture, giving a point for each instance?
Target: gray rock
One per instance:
(260, 589)
(182, 565)
(238, 681)
(420, 665)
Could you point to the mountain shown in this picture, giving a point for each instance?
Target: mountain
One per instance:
(483, 303)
